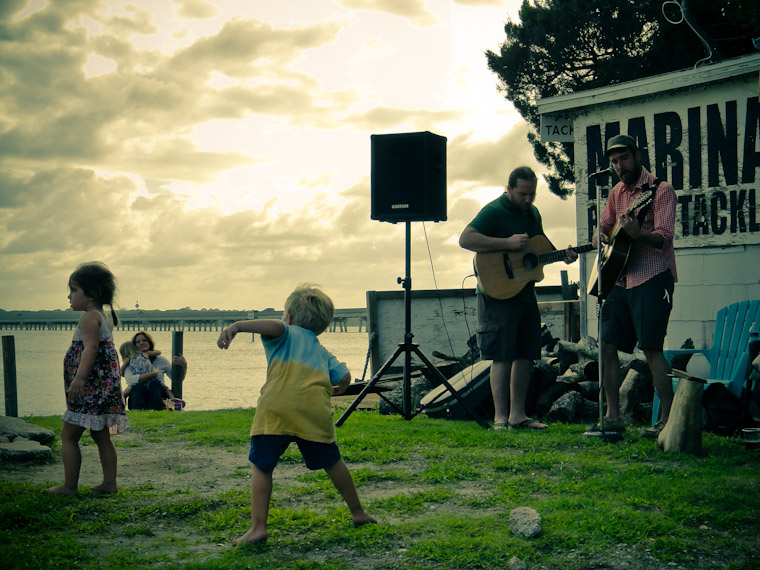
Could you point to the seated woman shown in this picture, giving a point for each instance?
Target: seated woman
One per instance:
(136, 367)
(146, 391)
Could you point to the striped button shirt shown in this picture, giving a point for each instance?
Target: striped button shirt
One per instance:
(645, 261)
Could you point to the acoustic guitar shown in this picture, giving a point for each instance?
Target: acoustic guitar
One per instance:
(616, 251)
(503, 274)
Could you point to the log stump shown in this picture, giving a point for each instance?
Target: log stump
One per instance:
(683, 432)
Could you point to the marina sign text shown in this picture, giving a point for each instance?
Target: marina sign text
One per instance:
(709, 153)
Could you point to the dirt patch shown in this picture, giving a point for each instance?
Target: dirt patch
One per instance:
(165, 466)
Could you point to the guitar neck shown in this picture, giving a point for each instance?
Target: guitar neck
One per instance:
(559, 254)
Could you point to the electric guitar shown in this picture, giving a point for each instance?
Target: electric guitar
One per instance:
(503, 274)
(616, 251)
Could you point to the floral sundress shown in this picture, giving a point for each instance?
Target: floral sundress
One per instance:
(102, 404)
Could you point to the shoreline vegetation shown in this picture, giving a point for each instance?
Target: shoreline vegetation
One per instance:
(442, 491)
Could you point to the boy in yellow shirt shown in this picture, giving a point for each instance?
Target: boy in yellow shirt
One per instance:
(294, 404)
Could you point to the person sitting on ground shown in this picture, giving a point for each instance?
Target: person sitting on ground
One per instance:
(147, 394)
(136, 364)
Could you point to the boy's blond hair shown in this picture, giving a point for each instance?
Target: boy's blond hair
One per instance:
(310, 308)
(128, 350)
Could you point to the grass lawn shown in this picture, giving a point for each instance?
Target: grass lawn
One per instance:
(442, 490)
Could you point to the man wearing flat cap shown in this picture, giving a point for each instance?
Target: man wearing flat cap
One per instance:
(638, 307)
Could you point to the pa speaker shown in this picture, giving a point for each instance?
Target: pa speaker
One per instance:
(408, 177)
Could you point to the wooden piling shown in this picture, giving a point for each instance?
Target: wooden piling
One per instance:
(177, 371)
(9, 370)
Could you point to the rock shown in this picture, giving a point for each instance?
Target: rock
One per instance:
(570, 376)
(572, 408)
(516, 564)
(525, 522)
(547, 398)
(544, 374)
(419, 387)
(14, 427)
(21, 449)
(589, 390)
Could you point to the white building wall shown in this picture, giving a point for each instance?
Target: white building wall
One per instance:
(711, 281)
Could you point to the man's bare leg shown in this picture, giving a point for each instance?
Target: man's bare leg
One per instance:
(522, 371)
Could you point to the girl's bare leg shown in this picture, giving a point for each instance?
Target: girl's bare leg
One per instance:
(344, 483)
(261, 494)
(72, 460)
(108, 461)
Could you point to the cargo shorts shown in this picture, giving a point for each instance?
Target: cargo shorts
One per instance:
(508, 329)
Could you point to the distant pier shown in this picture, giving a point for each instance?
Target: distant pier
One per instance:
(180, 320)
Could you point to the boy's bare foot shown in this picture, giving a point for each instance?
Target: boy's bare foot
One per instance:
(106, 488)
(251, 536)
(63, 490)
(363, 518)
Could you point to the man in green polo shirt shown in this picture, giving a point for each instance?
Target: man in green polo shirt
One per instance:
(509, 330)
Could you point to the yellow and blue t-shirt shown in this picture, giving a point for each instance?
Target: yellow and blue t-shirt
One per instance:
(295, 399)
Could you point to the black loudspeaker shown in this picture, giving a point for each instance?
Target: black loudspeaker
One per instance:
(408, 177)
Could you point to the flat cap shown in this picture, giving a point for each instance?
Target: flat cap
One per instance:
(620, 141)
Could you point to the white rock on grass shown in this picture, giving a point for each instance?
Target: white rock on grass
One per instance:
(524, 521)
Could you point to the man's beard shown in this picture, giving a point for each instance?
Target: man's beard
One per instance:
(630, 177)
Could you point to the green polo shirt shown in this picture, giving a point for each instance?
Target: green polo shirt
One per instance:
(501, 219)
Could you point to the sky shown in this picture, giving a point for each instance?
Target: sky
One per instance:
(216, 153)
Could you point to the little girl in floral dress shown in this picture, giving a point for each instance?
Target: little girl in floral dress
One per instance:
(91, 379)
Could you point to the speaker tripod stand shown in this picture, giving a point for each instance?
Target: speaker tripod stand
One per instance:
(407, 348)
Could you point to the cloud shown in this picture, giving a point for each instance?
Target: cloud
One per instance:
(388, 118)
(148, 92)
(478, 3)
(178, 159)
(488, 162)
(372, 48)
(413, 10)
(137, 21)
(225, 157)
(196, 9)
(244, 44)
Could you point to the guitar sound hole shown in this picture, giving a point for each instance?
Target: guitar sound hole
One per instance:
(530, 261)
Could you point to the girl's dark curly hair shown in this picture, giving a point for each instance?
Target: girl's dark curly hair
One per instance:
(98, 283)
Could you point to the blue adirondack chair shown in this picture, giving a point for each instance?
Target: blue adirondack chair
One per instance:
(729, 354)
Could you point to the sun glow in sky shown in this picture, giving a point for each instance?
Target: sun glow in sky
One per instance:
(215, 153)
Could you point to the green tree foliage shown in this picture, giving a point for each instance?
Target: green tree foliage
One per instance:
(566, 46)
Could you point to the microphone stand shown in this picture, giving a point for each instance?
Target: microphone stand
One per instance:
(600, 434)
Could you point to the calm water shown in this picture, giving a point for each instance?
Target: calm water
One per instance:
(216, 379)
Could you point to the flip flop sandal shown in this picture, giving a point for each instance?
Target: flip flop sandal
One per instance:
(527, 424)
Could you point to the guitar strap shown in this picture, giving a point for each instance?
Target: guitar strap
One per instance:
(645, 209)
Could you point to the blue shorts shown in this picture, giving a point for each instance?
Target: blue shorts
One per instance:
(266, 451)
